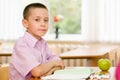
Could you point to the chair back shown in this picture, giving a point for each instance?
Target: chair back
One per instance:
(4, 73)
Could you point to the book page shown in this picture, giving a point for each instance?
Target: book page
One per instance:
(70, 74)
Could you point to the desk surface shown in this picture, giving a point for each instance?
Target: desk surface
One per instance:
(87, 52)
(91, 53)
(5, 52)
(95, 69)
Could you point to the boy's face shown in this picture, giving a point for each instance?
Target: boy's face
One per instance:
(37, 22)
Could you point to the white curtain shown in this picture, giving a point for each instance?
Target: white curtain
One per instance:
(11, 18)
(111, 21)
(101, 20)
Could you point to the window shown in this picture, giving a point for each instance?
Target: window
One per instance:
(71, 12)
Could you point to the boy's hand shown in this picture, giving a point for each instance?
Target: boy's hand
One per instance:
(58, 63)
(52, 70)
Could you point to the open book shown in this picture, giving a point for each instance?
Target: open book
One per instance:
(70, 74)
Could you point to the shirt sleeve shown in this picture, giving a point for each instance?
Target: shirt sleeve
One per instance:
(24, 60)
(50, 55)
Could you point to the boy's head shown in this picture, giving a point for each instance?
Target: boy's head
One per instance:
(35, 19)
(28, 8)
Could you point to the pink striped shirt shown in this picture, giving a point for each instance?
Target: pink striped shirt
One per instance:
(28, 52)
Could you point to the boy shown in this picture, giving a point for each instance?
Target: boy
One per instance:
(31, 57)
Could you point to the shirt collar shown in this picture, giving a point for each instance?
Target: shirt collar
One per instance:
(30, 39)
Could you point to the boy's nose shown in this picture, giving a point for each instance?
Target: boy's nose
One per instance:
(42, 23)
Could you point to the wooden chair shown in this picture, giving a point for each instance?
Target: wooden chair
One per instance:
(112, 59)
(114, 56)
(4, 73)
(117, 56)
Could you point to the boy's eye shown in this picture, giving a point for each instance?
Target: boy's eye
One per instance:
(46, 20)
(37, 19)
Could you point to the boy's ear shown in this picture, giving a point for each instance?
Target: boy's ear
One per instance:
(25, 23)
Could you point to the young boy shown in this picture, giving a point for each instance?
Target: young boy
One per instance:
(31, 56)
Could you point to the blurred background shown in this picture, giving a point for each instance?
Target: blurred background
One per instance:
(79, 23)
(80, 31)
(83, 20)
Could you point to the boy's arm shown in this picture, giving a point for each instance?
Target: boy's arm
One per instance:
(52, 70)
(43, 69)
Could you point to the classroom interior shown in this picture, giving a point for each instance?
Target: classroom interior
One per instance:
(99, 32)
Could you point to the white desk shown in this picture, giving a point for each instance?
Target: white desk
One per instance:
(91, 53)
(5, 54)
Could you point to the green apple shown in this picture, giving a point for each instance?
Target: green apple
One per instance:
(104, 64)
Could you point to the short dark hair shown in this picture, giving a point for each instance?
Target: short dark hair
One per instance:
(30, 6)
